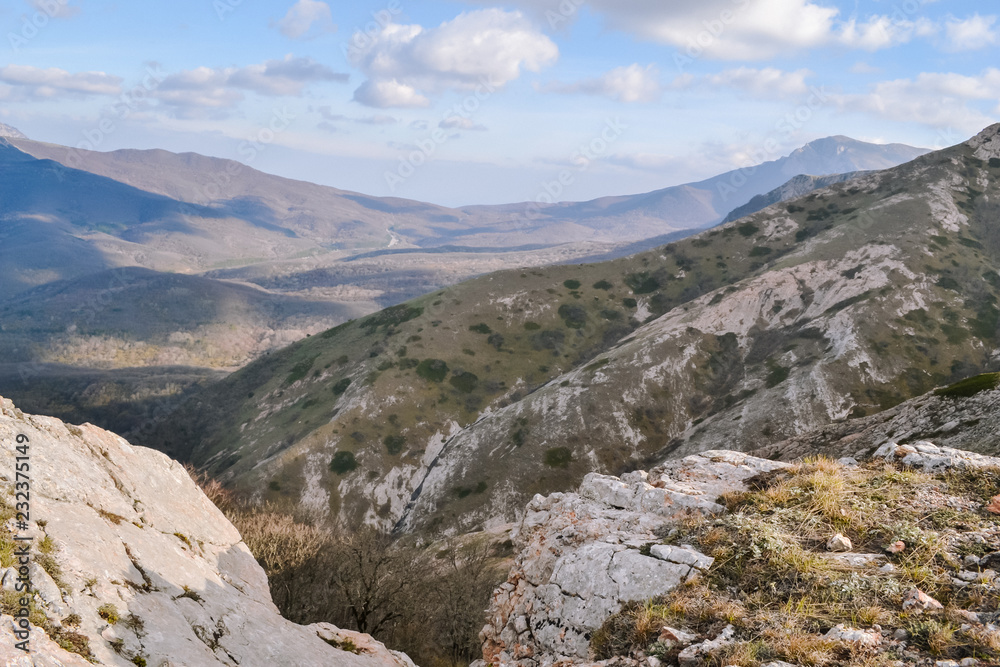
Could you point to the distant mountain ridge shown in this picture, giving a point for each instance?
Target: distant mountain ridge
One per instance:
(448, 412)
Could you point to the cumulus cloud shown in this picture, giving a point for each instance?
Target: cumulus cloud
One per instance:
(209, 88)
(768, 82)
(307, 19)
(932, 98)
(483, 47)
(970, 34)
(383, 94)
(633, 83)
(28, 81)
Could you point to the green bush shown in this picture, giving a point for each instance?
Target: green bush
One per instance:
(109, 613)
(300, 370)
(481, 328)
(747, 229)
(571, 284)
(760, 251)
(629, 302)
(341, 386)
(642, 283)
(392, 316)
(574, 317)
(394, 444)
(558, 457)
(603, 284)
(970, 386)
(532, 326)
(464, 382)
(433, 370)
(343, 462)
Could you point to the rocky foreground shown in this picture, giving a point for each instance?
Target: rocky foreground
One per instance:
(130, 564)
(722, 558)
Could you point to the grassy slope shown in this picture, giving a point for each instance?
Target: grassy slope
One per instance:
(842, 302)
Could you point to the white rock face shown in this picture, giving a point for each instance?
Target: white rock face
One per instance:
(131, 529)
(582, 555)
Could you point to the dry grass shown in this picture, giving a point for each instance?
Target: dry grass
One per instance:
(774, 581)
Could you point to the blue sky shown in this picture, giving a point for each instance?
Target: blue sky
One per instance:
(484, 102)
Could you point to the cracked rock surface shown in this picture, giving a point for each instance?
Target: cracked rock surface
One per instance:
(582, 555)
(128, 529)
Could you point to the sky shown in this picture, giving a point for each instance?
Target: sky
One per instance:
(479, 102)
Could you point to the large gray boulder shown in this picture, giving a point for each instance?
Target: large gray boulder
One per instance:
(582, 555)
(129, 532)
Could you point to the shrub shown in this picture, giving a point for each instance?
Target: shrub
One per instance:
(558, 457)
(394, 444)
(300, 370)
(343, 462)
(642, 283)
(341, 386)
(603, 284)
(433, 370)
(109, 613)
(571, 284)
(464, 382)
(481, 328)
(747, 229)
(574, 317)
(532, 326)
(970, 386)
(760, 251)
(629, 302)
(392, 316)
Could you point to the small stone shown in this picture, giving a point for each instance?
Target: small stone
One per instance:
(971, 561)
(896, 547)
(674, 637)
(901, 635)
(887, 568)
(965, 615)
(839, 543)
(918, 601)
(846, 634)
(653, 661)
(946, 663)
(994, 506)
(969, 662)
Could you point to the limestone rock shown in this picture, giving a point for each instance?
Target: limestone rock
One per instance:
(861, 637)
(918, 601)
(582, 555)
(694, 656)
(839, 544)
(130, 528)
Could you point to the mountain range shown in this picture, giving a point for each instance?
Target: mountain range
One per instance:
(451, 410)
(188, 265)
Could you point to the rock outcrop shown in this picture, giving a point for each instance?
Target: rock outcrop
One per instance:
(582, 555)
(131, 564)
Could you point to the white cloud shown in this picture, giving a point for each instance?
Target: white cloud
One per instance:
(882, 32)
(209, 88)
(934, 99)
(305, 15)
(864, 68)
(54, 82)
(460, 123)
(384, 94)
(477, 48)
(633, 83)
(970, 34)
(768, 82)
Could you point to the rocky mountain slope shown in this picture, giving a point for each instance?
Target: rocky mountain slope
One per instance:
(130, 563)
(722, 558)
(451, 410)
(796, 187)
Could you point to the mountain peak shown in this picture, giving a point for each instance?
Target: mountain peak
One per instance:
(986, 144)
(10, 131)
